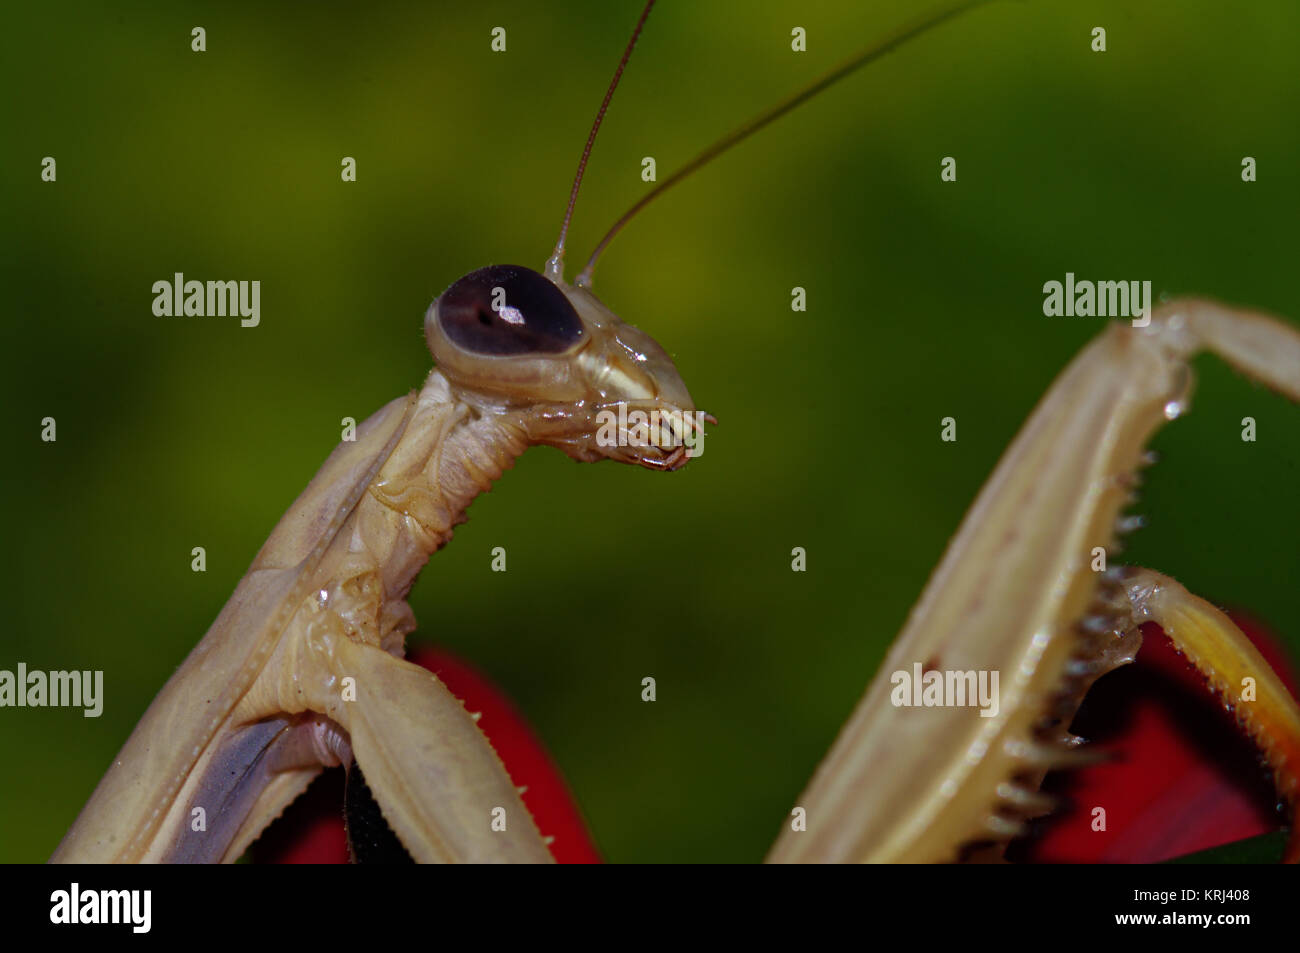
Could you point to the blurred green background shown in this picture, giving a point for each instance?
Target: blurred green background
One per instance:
(924, 301)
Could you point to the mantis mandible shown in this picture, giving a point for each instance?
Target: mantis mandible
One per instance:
(325, 599)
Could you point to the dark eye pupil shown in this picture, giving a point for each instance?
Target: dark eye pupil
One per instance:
(508, 310)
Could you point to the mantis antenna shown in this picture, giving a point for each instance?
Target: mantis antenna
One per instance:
(555, 266)
(871, 53)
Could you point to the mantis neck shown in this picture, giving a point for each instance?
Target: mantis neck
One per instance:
(449, 453)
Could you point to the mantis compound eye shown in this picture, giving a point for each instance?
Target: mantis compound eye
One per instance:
(507, 310)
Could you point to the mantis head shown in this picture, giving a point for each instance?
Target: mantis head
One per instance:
(562, 366)
(565, 367)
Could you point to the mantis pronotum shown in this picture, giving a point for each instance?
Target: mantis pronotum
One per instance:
(1170, 567)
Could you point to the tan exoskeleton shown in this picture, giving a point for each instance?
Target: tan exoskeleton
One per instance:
(303, 667)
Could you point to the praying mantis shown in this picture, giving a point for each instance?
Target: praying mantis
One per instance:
(814, 549)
